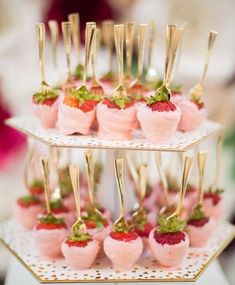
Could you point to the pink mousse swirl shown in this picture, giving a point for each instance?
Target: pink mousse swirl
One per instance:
(73, 120)
(169, 255)
(80, 257)
(46, 114)
(48, 242)
(158, 127)
(27, 217)
(123, 254)
(116, 124)
(191, 116)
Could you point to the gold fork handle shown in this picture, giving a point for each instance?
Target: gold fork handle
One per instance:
(119, 37)
(67, 33)
(89, 36)
(45, 170)
(187, 166)
(211, 41)
(54, 31)
(90, 174)
(74, 174)
(141, 43)
(201, 159)
(74, 19)
(40, 28)
(129, 39)
(162, 177)
(93, 52)
(118, 166)
(142, 182)
(173, 40)
(151, 42)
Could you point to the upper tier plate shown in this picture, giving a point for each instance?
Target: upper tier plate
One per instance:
(180, 142)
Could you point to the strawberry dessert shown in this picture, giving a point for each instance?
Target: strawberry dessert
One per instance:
(97, 225)
(77, 112)
(45, 107)
(26, 211)
(59, 210)
(66, 189)
(193, 114)
(79, 248)
(123, 246)
(141, 226)
(168, 242)
(213, 204)
(49, 233)
(199, 227)
(116, 117)
(159, 117)
(37, 189)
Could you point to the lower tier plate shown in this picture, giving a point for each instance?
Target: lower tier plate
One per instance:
(21, 244)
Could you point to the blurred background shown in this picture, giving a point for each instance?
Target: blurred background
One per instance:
(19, 74)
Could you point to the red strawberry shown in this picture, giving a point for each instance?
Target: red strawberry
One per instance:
(145, 232)
(200, 105)
(214, 196)
(60, 210)
(126, 237)
(78, 243)
(36, 190)
(50, 226)
(88, 105)
(169, 238)
(28, 201)
(163, 106)
(71, 101)
(175, 93)
(198, 223)
(90, 224)
(48, 102)
(113, 105)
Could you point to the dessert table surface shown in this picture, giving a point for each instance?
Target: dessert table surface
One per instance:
(17, 274)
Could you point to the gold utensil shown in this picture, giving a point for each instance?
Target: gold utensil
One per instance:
(129, 40)
(136, 86)
(45, 170)
(40, 28)
(67, 34)
(90, 176)
(151, 75)
(120, 90)
(118, 166)
(74, 19)
(79, 226)
(186, 170)
(201, 159)
(163, 180)
(96, 87)
(219, 144)
(56, 156)
(196, 91)
(107, 35)
(54, 31)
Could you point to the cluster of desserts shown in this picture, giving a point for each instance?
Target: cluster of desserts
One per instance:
(164, 224)
(81, 105)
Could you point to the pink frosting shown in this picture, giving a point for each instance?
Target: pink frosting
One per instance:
(80, 257)
(211, 210)
(27, 217)
(191, 116)
(199, 236)
(177, 99)
(48, 242)
(123, 254)
(169, 255)
(73, 120)
(46, 114)
(114, 123)
(158, 127)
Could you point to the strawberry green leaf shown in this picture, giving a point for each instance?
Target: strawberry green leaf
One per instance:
(171, 225)
(197, 213)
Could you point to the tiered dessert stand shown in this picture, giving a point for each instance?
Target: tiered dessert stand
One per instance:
(20, 242)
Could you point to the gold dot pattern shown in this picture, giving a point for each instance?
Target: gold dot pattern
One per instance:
(22, 245)
(180, 142)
